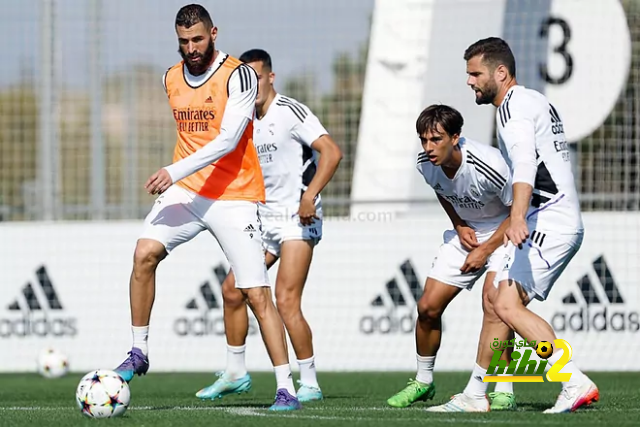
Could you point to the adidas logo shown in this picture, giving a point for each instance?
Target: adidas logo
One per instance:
(207, 299)
(400, 306)
(32, 312)
(209, 100)
(250, 229)
(595, 313)
(437, 187)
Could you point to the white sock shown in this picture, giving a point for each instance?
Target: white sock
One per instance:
(308, 372)
(504, 387)
(577, 377)
(284, 379)
(425, 369)
(236, 367)
(140, 338)
(476, 389)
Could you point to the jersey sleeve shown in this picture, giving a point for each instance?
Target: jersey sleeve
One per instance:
(517, 120)
(505, 188)
(243, 90)
(307, 127)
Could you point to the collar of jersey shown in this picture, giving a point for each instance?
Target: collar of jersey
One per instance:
(195, 81)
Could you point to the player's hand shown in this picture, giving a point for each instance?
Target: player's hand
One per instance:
(476, 259)
(307, 211)
(159, 182)
(517, 233)
(467, 237)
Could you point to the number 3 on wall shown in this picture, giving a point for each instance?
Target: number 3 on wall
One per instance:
(561, 49)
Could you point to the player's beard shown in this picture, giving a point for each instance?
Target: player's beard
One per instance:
(487, 94)
(199, 68)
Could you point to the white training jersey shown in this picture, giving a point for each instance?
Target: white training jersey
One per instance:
(531, 138)
(283, 139)
(480, 192)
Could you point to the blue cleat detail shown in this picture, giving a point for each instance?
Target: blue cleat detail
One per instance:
(308, 393)
(285, 402)
(224, 386)
(135, 364)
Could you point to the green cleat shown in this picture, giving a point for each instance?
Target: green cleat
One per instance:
(413, 392)
(502, 401)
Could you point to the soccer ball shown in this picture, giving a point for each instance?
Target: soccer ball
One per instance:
(103, 394)
(544, 349)
(52, 363)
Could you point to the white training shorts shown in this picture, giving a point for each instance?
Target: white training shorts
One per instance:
(178, 215)
(540, 262)
(278, 227)
(452, 256)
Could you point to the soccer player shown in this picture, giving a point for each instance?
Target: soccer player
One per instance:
(288, 137)
(214, 183)
(546, 228)
(473, 184)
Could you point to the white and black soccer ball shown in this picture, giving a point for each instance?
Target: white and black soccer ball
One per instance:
(52, 363)
(103, 394)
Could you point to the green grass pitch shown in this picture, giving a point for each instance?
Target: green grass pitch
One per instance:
(351, 399)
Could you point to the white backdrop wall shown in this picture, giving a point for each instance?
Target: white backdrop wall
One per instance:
(65, 285)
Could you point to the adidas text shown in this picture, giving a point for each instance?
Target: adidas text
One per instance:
(387, 324)
(43, 327)
(596, 314)
(204, 325)
(32, 314)
(400, 312)
(207, 309)
(593, 319)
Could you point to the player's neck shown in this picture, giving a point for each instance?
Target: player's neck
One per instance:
(450, 169)
(216, 52)
(503, 91)
(261, 110)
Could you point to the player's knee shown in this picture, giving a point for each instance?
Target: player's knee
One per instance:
(259, 300)
(231, 295)
(288, 305)
(148, 255)
(427, 311)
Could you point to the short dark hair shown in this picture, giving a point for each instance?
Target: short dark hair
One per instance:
(255, 55)
(192, 14)
(437, 114)
(495, 52)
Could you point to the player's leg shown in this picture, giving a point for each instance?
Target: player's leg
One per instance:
(444, 283)
(295, 261)
(473, 398)
(169, 224)
(235, 378)
(235, 225)
(493, 329)
(435, 298)
(531, 274)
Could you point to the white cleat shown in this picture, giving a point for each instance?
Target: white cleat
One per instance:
(462, 403)
(573, 397)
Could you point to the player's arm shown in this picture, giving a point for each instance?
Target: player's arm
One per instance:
(519, 138)
(243, 89)
(466, 234)
(310, 132)
(502, 187)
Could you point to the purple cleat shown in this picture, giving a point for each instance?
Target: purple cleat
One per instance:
(285, 402)
(136, 363)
